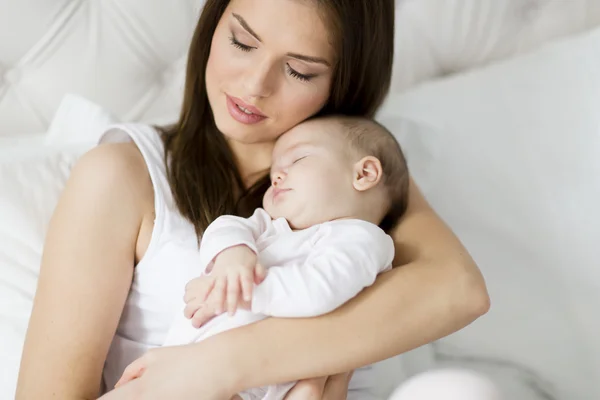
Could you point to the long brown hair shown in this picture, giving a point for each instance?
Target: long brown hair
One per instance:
(201, 169)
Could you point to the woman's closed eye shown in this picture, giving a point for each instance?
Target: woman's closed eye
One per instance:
(295, 74)
(236, 43)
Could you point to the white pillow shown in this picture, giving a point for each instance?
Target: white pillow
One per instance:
(30, 186)
(78, 121)
(514, 168)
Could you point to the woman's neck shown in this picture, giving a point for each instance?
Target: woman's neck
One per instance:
(252, 160)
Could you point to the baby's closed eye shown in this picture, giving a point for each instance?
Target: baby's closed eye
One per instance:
(299, 159)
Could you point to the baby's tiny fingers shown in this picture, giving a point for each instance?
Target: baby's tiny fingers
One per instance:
(233, 292)
(260, 273)
(247, 281)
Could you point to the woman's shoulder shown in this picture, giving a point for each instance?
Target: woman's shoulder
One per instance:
(114, 169)
(121, 161)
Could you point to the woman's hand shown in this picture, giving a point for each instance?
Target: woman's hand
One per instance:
(328, 388)
(179, 372)
(182, 373)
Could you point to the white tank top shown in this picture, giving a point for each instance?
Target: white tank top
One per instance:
(170, 261)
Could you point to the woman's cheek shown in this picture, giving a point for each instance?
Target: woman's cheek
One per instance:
(304, 103)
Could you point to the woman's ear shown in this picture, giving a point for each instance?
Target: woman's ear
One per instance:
(367, 173)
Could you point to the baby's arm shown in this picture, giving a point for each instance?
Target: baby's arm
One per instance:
(228, 231)
(341, 264)
(228, 252)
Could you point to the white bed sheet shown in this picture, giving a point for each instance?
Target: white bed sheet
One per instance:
(15, 145)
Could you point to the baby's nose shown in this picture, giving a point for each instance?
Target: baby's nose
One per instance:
(277, 178)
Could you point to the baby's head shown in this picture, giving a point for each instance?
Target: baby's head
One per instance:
(337, 167)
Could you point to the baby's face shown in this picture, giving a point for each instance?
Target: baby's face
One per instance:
(311, 175)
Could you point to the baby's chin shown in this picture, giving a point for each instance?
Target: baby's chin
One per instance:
(276, 212)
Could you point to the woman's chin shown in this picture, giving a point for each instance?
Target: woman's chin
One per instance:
(244, 134)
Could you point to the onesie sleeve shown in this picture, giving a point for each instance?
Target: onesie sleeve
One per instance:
(228, 231)
(346, 259)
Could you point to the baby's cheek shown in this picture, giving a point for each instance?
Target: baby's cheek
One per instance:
(328, 189)
(267, 195)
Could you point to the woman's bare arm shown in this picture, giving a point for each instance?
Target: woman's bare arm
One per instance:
(436, 290)
(85, 276)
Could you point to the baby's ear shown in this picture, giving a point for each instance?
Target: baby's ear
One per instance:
(367, 173)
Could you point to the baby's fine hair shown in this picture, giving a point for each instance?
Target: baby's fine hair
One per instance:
(369, 138)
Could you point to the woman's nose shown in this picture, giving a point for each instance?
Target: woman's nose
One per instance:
(260, 80)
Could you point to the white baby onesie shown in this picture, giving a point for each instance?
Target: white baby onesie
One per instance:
(310, 272)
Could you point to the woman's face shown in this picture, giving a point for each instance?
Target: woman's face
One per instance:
(270, 67)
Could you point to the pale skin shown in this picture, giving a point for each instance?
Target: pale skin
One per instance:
(104, 220)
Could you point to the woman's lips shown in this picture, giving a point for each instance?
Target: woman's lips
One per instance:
(242, 112)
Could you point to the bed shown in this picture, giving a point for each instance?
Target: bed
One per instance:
(495, 103)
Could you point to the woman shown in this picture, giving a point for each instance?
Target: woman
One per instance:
(256, 68)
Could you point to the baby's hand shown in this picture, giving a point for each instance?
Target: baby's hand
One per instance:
(233, 275)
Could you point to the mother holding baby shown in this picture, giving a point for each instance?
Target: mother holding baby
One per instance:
(111, 267)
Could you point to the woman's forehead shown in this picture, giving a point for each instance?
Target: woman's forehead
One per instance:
(290, 25)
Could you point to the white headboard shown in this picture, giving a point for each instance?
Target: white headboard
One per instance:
(129, 55)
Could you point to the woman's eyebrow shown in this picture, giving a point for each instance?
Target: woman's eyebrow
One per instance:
(245, 25)
(310, 59)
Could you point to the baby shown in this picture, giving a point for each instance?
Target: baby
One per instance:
(337, 185)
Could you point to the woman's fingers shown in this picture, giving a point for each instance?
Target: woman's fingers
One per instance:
(133, 371)
(213, 305)
(328, 388)
(192, 288)
(202, 316)
(192, 307)
(307, 389)
(198, 288)
(336, 387)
